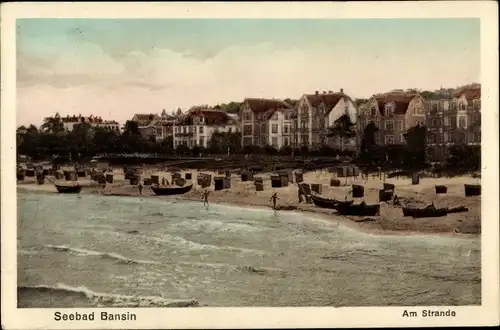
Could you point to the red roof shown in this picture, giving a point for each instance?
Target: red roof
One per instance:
(401, 102)
(264, 105)
(329, 100)
(212, 117)
(470, 93)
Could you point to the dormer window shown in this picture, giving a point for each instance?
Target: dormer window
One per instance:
(389, 109)
(373, 111)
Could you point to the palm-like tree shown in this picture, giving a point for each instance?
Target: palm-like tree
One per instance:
(52, 125)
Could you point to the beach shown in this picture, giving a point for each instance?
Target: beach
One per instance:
(390, 221)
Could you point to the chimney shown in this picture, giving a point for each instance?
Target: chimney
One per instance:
(342, 90)
(316, 92)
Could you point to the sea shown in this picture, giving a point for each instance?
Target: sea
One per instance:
(106, 251)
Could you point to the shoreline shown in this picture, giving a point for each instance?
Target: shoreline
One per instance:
(377, 226)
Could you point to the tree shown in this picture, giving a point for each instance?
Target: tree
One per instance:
(342, 128)
(368, 143)
(52, 125)
(292, 102)
(415, 154)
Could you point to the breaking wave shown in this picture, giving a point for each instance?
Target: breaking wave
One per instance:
(105, 255)
(102, 299)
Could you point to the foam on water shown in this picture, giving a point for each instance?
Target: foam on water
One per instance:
(107, 299)
(105, 255)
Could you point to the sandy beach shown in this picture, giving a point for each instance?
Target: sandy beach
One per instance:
(390, 221)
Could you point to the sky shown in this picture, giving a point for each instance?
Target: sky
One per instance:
(115, 68)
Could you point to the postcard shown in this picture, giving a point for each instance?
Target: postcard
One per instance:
(226, 165)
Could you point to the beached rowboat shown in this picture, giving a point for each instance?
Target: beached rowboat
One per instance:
(73, 189)
(358, 209)
(167, 191)
(426, 212)
(327, 203)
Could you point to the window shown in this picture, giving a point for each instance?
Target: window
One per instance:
(247, 115)
(462, 122)
(247, 141)
(401, 138)
(200, 143)
(373, 111)
(286, 141)
(389, 110)
(389, 125)
(285, 129)
(201, 129)
(275, 141)
(399, 125)
(453, 122)
(446, 121)
(275, 116)
(446, 137)
(462, 106)
(247, 130)
(389, 139)
(274, 128)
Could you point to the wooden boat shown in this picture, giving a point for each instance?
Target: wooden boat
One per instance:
(426, 212)
(327, 203)
(472, 189)
(73, 189)
(458, 209)
(359, 209)
(167, 191)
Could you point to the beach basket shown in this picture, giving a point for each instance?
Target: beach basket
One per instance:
(317, 188)
(358, 191)
(415, 178)
(81, 173)
(188, 176)
(228, 174)
(148, 181)
(334, 182)
(134, 180)
(179, 181)
(246, 176)
(389, 186)
(472, 190)
(40, 179)
(385, 195)
(275, 181)
(441, 189)
(109, 178)
(299, 177)
(259, 187)
(30, 173)
(155, 179)
(258, 179)
(45, 171)
(218, 183)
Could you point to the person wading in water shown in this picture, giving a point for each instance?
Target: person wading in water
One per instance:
(205, 198)
(273, 198)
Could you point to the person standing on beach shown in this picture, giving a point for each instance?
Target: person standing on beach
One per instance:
(140, 188)
(273, 198)
(205, 198)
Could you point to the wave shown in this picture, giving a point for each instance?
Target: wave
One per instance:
(103, 299)
(166, 238)
(105, 255)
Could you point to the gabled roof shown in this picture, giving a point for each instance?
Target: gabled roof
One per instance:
(212, 117)
(264, 105)
(330, 100)
(400, 100)
(469, 93)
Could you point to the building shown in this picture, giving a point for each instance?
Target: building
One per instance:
(453, 120)
(393, 113)
(69, 122)
(316, 112)
(154, 127)
(199, 124)
(266, 122)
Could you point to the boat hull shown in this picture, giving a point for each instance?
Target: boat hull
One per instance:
(327, 203)
(169, 191)
(424, 213)
(68, 189)
(359, 209)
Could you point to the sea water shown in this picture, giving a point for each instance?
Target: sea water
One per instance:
(105, 251)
